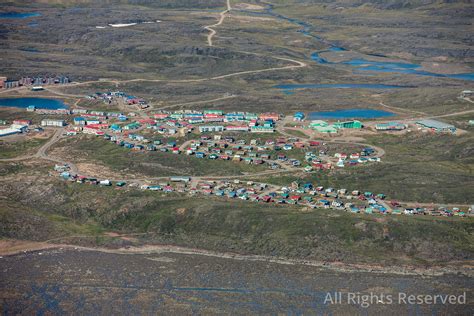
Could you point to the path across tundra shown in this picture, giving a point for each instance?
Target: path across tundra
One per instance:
(295, 63)
(211, 29)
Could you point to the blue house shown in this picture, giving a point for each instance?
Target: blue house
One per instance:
(299, 116)
(79, 121)
(115, 128)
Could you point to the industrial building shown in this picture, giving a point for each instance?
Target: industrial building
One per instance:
(436, 126)
(13, 129)
(348, 124)
(390, 126)
(9, 131)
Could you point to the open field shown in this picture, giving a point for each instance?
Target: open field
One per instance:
(15, 146)
(186, 284)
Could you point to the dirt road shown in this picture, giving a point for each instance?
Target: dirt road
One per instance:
(211, 29)
(12, 247)
(42, 152)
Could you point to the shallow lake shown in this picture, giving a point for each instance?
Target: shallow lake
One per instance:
(39, 103)
(18, 15)
(361, 65)
(349, 114)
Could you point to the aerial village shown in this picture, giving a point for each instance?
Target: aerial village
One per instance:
(236, 137)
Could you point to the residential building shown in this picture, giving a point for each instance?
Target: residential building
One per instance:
(262, 129)
(211, 128)
(299, 116)
(237, 128)
(55, 123)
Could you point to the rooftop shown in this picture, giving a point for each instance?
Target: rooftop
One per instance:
(435, 124)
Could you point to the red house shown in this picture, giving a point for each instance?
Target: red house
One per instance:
(22, 122)
(160, 116)
(269, 116)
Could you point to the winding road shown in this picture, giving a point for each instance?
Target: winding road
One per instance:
(211, 29)
(42, 152)
(295, 64)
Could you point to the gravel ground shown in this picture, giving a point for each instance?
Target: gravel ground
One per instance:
(87, 282)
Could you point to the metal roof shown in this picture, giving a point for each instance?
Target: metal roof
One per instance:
(435, 124)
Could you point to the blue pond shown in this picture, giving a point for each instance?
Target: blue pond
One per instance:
(361, 65)
(289, 87)
(18, 15)
(403, 68)
(350, 114)
(39, 103)
(29, 50)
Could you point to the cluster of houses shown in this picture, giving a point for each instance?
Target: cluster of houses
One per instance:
(217, 148)
(37, 82)
(240, 121)
(170, 123)
(228, 148)
(297, 193)
(109, 97)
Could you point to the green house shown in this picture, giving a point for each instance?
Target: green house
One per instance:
(348, 124)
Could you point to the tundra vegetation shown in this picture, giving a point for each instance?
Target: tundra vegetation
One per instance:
(172, 66)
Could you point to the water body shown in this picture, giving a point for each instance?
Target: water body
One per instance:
(40, 103)
(359, 65)
(18, 15)
(29, 50)
(349, 114)
(402, 68)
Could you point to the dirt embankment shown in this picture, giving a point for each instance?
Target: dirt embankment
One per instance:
(12, 247)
